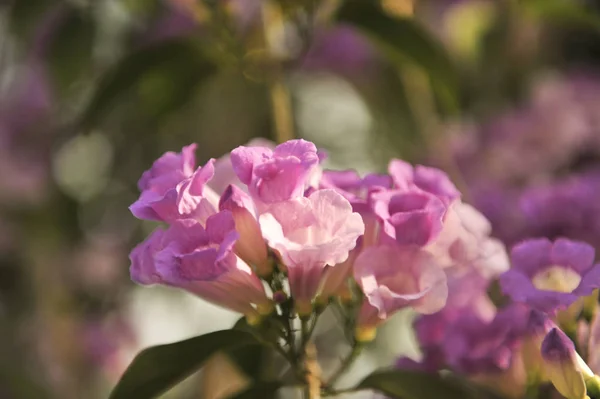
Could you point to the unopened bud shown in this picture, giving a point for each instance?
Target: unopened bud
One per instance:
(560, 365)
(280, 296)
(365, 334)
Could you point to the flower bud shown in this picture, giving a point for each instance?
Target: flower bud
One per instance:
(561, 365)
(365, 334)
(538, 326)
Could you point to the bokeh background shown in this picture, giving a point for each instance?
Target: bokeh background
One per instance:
(502, 94)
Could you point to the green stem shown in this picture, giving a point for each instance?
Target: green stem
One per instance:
(532, 391)
(306, 392)
(305, 332)
(346, 363)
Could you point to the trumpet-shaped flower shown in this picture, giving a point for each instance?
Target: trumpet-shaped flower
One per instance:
(310, 233)
(549, 276)
(201, 261)
(392, 278)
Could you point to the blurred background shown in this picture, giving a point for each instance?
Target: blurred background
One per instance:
(502, 94)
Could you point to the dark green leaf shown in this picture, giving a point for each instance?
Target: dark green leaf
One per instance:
(25, 16)
(403, 39)
(406, 384)
(16, 383)
(263, 390)
(70, 50)
(250, 359)
(157, 369)
(165, 74)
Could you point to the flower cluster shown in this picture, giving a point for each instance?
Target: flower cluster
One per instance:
(241, 226)
(267, 232)
(551, 287)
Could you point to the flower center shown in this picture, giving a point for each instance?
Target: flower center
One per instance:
(557, 278)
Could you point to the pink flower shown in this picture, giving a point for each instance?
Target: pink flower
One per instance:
(310, 233)
(250, 246)
(172, 190)
(279, 174)
(224, 173)
(409, 216)
(431, 180)
(335, 278)
(395, 277)
(170, 169)
(201, 261)
(465, 243)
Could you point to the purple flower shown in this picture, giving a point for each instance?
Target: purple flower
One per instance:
(310, 233)
(566, 207)
(225, 175)
(172, 190)
(341, 49)
(550, 275)
(353, 187)
(276, 175)
(169, 170)
(201, 261)
(473, 345)
(392, 278)
(409, 216)
(431, 180)
(356, 190)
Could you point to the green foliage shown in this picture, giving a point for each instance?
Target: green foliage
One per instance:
(25, 16)
(15, 383)
(263, 390)
(165, 74)
(562, 12)
(157, 369)
(406, 384)
(70, 51)
(404, 40)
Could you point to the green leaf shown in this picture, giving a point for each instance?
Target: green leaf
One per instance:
(407, 384)
(26, 16)
(263, 390)
(165, 74)
(562, 12)
(70, 50)
(157, 369)
(403, 39)
(17, 383)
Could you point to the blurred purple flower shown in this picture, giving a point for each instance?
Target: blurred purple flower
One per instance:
(475, 346)
(528, 170)
(340, 49)
(550, 275)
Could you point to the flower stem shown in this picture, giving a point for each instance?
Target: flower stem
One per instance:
(305, 331)
(346, 363)
(279, 95)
